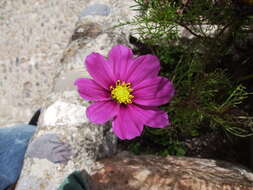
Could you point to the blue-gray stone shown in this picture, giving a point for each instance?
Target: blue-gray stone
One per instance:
(96, 9)
(13, 144)
(49, 147)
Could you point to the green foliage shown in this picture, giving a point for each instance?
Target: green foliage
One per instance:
(156, 142)
(161, 18)
(207, 98)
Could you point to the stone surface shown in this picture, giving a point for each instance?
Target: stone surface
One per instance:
(75, 143)
(33, 37)
(41, 41)
(94, 33)
(168, 173)
(96, 9)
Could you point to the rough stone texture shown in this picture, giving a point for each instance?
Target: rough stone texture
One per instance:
(64, 116)
(96, 9)
(94, 33)
(40, 40)
(33, 35)
(171, 173)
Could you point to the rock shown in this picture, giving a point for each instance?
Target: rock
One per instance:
(96, 9)
(33, 37)
(65, 141)
(94, 32)
(149, 172)
(41, 41)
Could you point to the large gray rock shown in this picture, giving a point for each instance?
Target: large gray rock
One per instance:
(95, 31)
(65, 141)
(33, 37)
(41, 41)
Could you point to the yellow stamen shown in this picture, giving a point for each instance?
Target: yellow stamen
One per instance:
(122, 92)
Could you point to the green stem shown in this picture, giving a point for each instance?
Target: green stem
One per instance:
(245, 78)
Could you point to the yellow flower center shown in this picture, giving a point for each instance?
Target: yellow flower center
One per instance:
(122, 92)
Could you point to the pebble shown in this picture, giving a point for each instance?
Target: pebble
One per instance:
(96, 9)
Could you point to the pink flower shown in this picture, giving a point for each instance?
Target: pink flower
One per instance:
(126, 90)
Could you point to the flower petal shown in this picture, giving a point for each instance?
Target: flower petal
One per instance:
(152, 117)
(142, 68)
(153, 92)
(90, 90)
(127, 125)
(100, 69)
(120, 57)
(101, 112)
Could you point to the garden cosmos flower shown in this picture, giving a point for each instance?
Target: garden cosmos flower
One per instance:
(126, 90)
